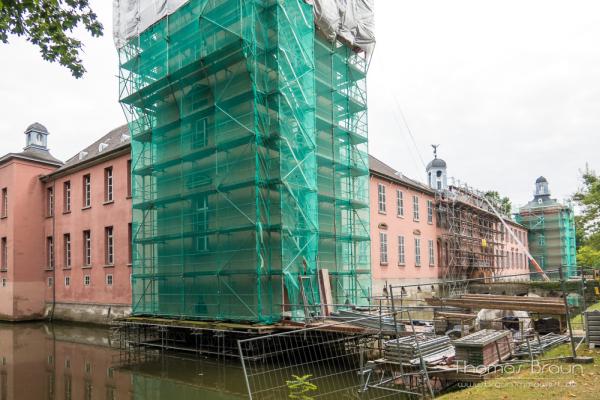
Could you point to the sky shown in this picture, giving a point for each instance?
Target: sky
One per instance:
(510, 90)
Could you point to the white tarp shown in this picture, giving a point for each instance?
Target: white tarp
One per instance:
(351, 20)
(131, 17)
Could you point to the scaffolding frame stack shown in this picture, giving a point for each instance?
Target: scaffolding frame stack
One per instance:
(241, 190)
(471, 240)
(551, 235)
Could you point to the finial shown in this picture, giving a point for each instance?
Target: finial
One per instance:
(435, 147)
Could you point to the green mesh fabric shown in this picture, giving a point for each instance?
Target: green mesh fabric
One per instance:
(551, 237)
(241, 190)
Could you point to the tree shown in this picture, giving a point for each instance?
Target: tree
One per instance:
(503, 204)
(588, 223)
(49, 24)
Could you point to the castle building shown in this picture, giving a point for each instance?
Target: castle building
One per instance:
(551, 228)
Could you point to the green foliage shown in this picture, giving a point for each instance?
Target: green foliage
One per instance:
(588, 257)
(49, 24)
(588, 223)
(300, 386)
(503, 204)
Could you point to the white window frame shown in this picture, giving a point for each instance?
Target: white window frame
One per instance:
(108, 184)
(381, 206)
(87, 248)
(50, 201)
(67, 250)
(109, 280)
(67, 196)
(416, 213)
(67, 281)
(401, 250)
(431, 249)
(383, 248)
(429, 212)
(87, 280)
(109, 245)
(87, 191)
(400, 203)
(417, 252)
(50, 252)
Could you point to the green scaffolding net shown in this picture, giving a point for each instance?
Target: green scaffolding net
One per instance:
(551, 237)
(249, 163)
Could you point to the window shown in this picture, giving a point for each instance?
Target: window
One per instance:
(67, 196)
(429, 212)
(416, 215)
(199, 137)
(431, 257)
(383, 253)
(417, 252)
(50, 252)
(381, 197)
(109, 280)
(86, 280)
(4, 203)
(541, 240)
(401, 251)
(87, 191)
(129, 244)
(400, 203)
(3, 254)
(108, 184)
(87, 248)
(50, 281)
(128, 178)
(67, 281)
(50, 202)
(4, 282)
(200, 220)
(67, 250)
(109, 250)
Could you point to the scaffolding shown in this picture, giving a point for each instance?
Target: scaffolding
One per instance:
(242, 190)
(551, 235)
(471, 245)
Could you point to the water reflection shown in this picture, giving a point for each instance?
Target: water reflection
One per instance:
(56, 361)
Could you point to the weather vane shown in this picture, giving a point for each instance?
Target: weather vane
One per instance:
(435, 147)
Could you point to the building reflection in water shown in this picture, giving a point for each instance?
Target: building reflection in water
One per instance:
(56, 361)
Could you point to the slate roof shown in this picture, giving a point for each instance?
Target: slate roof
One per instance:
(378, 167)
(33, 154)
(114, 140)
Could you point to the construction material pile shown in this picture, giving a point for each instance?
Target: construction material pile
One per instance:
(409, 349)
(540, 344)
(366, 320)
(484, 348)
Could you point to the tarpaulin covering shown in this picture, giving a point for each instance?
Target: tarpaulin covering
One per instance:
(350, 20)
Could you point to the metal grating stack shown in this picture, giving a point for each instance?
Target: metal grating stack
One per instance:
(486, 347)
(592, 323)
(432, 348)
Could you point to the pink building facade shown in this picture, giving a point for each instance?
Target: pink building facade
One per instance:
(21, 216)
(88, 232)
(65, 231)
(404, 236)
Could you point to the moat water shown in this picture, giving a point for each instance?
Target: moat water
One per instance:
(64, 361)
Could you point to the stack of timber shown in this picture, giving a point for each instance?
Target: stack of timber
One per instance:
(369, 321)
(541, 305)
(484, 348)
(409, 349)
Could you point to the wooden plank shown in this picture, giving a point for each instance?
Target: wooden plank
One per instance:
(325, 289)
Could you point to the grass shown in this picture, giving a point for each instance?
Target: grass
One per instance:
(550, 380)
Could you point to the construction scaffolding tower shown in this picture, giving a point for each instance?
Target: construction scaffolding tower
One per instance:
(470, 245)
(551, 235)
(249, 162)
